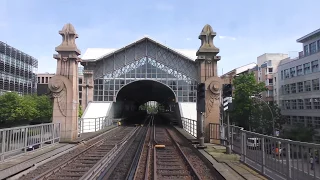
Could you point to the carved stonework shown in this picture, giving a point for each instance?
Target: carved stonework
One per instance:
(64, 85)
(212, 94)
(206, 36)
(69, 37)
(59, 92)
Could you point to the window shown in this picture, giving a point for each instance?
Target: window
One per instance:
(281, 75)
(315, 84)
(286, 73)
(300, 86)
(306, 50)
(316, 103)
(301, 120)
(300, 104)
(293, 104)
(307, 85)
(287, 104)
(286, 89)
(309, 121)
(282, 89)
(318, 45)
(275, 79)
(317, 122)
(307, 103)
(288, 120)
(306, 68)
(270, 70)
(299, 70)
(294, 119)
(270, 81)
(46, 79)
(293, 72)
(313, 47)
(270, 93)
(315, 65)
(269, 63)
(293, 87)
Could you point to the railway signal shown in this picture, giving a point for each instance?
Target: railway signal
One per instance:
(201, 97)
(227, 97)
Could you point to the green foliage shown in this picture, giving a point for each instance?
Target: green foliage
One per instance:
(299, 133)
(245, 86)
(80, 111)
(262, 117)
(15, 109)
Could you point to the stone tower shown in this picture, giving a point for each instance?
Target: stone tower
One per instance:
(207, 73)
(64, 85)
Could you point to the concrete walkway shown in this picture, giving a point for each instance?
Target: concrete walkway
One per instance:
(229, 166)
(232, 163)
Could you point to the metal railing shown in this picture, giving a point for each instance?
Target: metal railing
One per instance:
(94, 124)
(190, 126)
(18, 140)
(274, 157)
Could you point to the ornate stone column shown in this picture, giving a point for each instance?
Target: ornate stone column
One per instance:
(64, 85)
(87, 88)
(207, 73)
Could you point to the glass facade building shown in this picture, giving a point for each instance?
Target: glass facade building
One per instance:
(17, 71)
(106, 88)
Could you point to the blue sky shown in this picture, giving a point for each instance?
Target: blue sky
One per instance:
(245, 29)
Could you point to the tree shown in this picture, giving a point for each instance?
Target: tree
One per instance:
(245, 86)
(299, 133)
(15, 109)
(44, 107)
(10, 101)
(80, 111)
(261, 119)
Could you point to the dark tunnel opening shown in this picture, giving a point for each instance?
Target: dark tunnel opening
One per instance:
(131, 96)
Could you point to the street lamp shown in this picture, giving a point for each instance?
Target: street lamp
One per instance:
(270, 112)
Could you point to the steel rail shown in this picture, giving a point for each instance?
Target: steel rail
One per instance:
(100, 170)
(61, 165)
(96, 170)
(146, 172)
(136, 160)
(187, 163)
(191, 168)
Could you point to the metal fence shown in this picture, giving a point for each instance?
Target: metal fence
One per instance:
(18, 140)
(94, 124)
(190, 126)
(274, 157)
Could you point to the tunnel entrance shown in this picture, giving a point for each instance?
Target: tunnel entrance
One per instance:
(131, 96)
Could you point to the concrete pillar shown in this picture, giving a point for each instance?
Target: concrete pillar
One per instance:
(207, 73)
(64, 85)
(87, 88)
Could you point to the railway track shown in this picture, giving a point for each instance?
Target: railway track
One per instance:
(143, 170)
(125, 165)
(170, 162)
(81, 164)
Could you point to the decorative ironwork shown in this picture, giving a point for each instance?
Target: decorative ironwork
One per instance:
(145, 60)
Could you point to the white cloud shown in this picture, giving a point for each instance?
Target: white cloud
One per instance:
(188, 39)
(228, 38)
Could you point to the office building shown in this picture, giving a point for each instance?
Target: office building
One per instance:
(299, 92)
(17, 71)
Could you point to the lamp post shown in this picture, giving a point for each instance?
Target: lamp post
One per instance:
(270, 112)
